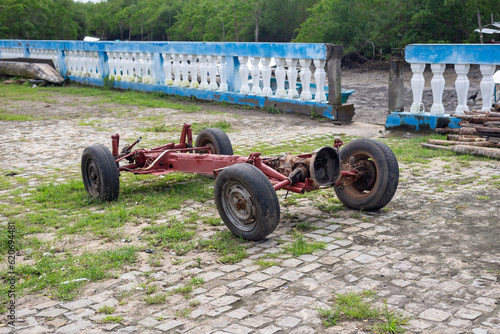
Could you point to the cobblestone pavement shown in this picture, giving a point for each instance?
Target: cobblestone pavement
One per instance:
(432, 255)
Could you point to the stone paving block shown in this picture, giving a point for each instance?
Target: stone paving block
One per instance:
(234, 275)
(400, 283)
(332, 227)
(269, 330)
(273, 270)
(75, 327)
(434, 315)
(273, 250)
(366, 225)
(108, 327)
(338, 252)
(250, 269)
(352, 229)
(397, 299)
(258, 277)
(218, 291)
(51, 312)
(460, 323)
(79, 314)
(131, 275)
(272, 283)
(170, 325)
(480, 307)
(46, 305)
(208, 276)
(310, 267)
(292, 275)
(256, 321)
(239, 313)
(291, 263)
(228, 268)
(427, 282)
(24, 312)
(479, 331)
(223, 301)
(368, 283)
(449, 286)
(238, 329)
(365, 258)
(343, 243)
(486, 301)
(248, 292)
(109, 302)
(203, 299)
(32, 330)
(240, 284)
(468, 314)
(148, 322)
(303, 330)
(308, 257)
(218, 311)
(198, 291)
(199, 311)
(350, 278)
(331, 247)
(329, 260)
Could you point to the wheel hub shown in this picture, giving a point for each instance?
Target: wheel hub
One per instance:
(239, 206)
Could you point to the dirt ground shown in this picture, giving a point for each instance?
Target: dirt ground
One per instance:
(433, 255)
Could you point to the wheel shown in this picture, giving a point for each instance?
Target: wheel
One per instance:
(100, 174)
(216, 139)
(247, 201)
(379, 175)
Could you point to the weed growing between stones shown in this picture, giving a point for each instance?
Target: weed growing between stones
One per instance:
(359, 305)
(300, 246)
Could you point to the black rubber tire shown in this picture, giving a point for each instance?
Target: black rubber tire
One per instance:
(217, 140)
(247, 201)
(100, 174)
(377, 192)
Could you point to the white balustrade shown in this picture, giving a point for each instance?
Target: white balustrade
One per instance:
(177, 69)
(203, 66)
(280, 74)
(319, 78)
(245, 88)
(487, 85)
(212, 72)
(167, 67)
(184, 70)
(193, 69)
(437, 84)
(462, 88)
(266, 77)
(223, 87)
(291, 74)
(305, 79)
(417, 87)
(255, 73)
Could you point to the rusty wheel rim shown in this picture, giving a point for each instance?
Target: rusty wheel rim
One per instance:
(368, 176)
(239, 206)
(93, 178)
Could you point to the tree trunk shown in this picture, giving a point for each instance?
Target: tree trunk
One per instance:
(235, 24)
(256, 26)
(130, 33)
(121, 32)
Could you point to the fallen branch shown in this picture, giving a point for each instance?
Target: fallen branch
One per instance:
(451, 142)
(465, 138)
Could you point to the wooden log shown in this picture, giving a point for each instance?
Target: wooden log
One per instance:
(31, 70)
(460, 131)
(465, 138)
(493, 114)
(464, 149)
(483, 129)
(452, 142)
(495, 123)
(479, 120)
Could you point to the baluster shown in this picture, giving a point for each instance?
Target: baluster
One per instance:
(185, 70)
(92, 65)
(212, 72)
(177, 69)
(280, 75)
(292, 78)
(305, 79)
(111, 64)
(266, 77)
(437, 84)
(86, 64)
(81, 63)
(193, 68)
(119, 62)
(203, 72)
(167, 67)
(130, 67)
(487, 85)
(244, 89)
(320, 78)
(147, 62)
(462, 87)
(55, 59)
(223, 74)
(417, 87)
(255, 72)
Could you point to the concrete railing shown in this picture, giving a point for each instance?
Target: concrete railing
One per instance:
(460, 56)
(290, 77)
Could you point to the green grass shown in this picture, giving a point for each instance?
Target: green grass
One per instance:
(6, 116)
(106, 309)
(57, 277)
(111, 319)
(354, 305)
(300, 246)
(227, 245)
(263, 264)
(157, 298)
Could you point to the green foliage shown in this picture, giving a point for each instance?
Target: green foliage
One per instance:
(301, 246)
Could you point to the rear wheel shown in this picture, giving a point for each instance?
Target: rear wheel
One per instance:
(247, 202)
(378, 172)
(216, 139)
(100, 174)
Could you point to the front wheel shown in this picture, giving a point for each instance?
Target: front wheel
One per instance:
(247, 202)
(100, 174)
(378, 172)
(216, 139)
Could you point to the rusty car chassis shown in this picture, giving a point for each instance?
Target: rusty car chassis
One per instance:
(364, 175)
